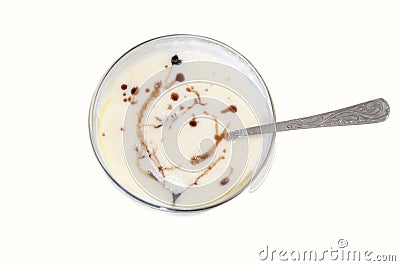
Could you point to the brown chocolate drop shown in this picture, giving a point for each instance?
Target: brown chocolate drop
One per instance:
(147, 90)
(174, 96)
(135, 90)
(193, 123)
(166, 66)
(224, 181)
(122, 129)
(103, 134)
(124, 86)
(180, 77)
(124, 94)
(230, 108)
(125, 100)
(175, 60)
(233, 108)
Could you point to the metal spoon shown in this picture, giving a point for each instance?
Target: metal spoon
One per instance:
(374, 111)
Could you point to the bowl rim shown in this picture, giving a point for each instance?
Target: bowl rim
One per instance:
(268, 157)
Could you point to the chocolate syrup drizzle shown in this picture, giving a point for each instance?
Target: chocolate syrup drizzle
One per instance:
(196, 159)
(144, 150)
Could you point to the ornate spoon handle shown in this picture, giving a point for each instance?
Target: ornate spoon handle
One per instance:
(374, 111)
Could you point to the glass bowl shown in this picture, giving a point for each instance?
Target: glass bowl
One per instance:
(159, 117)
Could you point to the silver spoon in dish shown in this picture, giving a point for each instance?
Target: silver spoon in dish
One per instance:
(373, 111)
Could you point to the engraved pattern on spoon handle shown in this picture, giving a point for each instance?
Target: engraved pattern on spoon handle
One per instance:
(374, 111)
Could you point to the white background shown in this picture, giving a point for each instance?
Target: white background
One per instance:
(57, 207)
